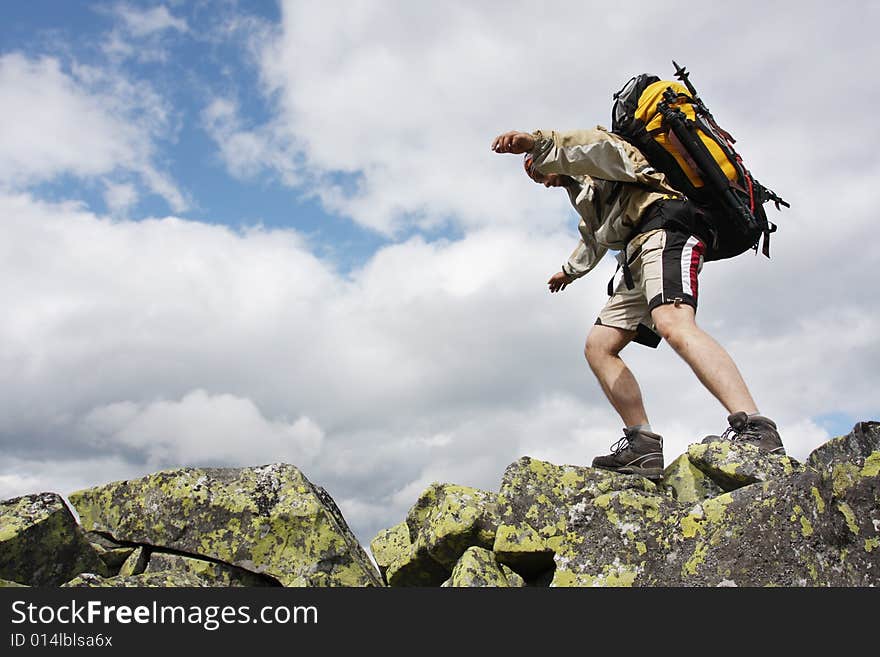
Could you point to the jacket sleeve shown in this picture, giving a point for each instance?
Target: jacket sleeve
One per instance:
(583, 259)
(588, 251)
(596, 153)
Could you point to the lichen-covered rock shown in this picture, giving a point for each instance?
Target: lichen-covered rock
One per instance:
(735, 464)
(136, 562)
(854, 448)
(477, 567)
(113, 554)
(782, 532)
(41, 543)
(613, 539)
(267, 519)
(773, 533)
(444, 522)
(415, 568)
(170, 579)
(217, 574)
(391, 545)
(6, 583)
(535, 501)
(447, 519)
(687, 482)
(855, 510)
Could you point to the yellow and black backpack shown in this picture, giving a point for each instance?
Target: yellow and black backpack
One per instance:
(670, 125)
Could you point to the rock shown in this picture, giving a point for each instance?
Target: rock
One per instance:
(732, 465)
(268, 519)
(169, 579)
(113, 554)
(443, 523)
(403, 564)
(391, 545)
(41, 543)
(447, 519)
(136, 562)
(5, 583)
(614, 538)
(773, 533)
(855, 517)
(478, 567)
(214, 573)
(535, 500)
(854, 448)
(687, 482)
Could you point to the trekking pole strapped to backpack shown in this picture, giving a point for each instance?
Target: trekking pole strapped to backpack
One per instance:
(678, 135)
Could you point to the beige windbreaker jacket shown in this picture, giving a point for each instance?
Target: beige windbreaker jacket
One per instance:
(614, 186)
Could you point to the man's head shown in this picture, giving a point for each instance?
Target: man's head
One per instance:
(548, 180)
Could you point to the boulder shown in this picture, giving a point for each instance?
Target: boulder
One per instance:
(215, 573)
(269, 519)
(688, 483)
(854, 448)
(733, 464)
(403, 564)
(136, 562)
(536, 499)
(478, 567)
(113, 554)
(447, 519)
(41, 543)
(443, 523)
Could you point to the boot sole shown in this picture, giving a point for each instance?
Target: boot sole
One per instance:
(654, 474)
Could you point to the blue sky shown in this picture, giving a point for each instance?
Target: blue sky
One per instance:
(236, 233)
(188, 66)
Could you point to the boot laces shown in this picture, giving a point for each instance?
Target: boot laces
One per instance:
(748, 431)
(621, 444)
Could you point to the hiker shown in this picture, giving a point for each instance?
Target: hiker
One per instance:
(627, 206)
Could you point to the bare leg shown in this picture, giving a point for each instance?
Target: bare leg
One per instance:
(602, 351)
(710, 362)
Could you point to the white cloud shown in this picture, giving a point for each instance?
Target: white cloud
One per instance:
(144, 22)
(120, 197)
(85, 123)
(142, 33)
(202, 429)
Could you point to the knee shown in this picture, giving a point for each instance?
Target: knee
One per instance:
(674, 327)
(598, 347)
(591, 349)
(666, 327)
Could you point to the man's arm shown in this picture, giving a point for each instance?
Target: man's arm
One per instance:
(596, 153)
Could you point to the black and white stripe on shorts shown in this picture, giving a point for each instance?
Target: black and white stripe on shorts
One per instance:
(681, 262)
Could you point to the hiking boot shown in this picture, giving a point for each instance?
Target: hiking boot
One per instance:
(757, 430)
(638, 452)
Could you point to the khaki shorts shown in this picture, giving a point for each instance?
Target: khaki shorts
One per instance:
(664, 267)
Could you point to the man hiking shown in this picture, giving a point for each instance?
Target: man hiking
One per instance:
(627, 206)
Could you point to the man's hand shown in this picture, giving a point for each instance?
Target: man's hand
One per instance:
(513, 142)
(559, 281)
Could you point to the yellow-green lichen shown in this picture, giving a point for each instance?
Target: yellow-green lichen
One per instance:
(697, 558)
(806, 527)
(872, 465)
(820, 503)
(616, 574)
(847, 512)
(691, 525)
